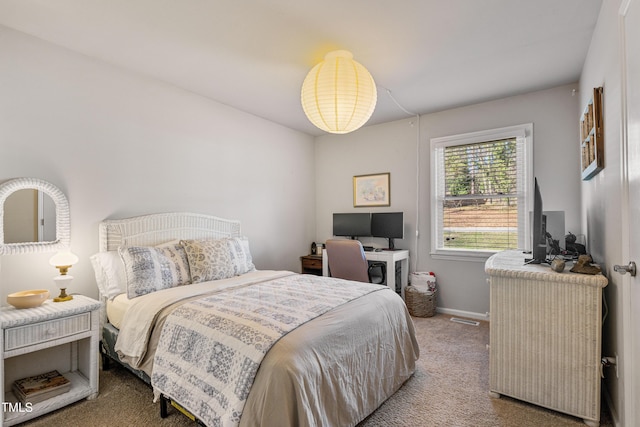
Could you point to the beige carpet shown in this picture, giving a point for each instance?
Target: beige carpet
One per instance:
(449, 388)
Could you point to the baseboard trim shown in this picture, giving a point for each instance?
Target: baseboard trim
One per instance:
(461, 313)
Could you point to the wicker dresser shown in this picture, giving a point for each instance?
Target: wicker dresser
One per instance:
(546, 330)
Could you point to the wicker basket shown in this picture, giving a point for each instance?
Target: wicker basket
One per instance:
(420, 303)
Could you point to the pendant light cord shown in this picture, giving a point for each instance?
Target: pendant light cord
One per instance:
(417, 235)
(398, 104)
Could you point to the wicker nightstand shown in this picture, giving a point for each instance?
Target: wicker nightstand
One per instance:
(62, 336)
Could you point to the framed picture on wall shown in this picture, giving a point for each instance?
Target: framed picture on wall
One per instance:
(372, 190)
(592, 136)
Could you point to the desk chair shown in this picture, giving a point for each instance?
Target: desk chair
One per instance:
(347, 261)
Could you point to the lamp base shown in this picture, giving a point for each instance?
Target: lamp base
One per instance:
(63, 296)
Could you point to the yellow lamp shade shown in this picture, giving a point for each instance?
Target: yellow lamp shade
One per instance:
(338, 95)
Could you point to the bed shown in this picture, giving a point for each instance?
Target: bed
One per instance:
(335, 354)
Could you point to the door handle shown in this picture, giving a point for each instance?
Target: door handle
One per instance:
(624, 269)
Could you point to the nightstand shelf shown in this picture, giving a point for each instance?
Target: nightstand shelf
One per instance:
(80, 388)
(62, 336)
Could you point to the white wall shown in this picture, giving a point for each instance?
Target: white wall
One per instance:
(602, 194)
(119, 144)
(391, 147)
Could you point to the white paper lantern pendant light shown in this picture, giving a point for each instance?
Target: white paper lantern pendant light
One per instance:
(338, 95)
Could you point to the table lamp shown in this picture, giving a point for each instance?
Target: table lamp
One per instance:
(63, 260)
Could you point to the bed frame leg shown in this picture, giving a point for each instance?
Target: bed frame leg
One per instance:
(163, 406)
(164, 402)
(106, 360)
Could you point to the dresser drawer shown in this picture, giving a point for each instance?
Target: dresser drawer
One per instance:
(37, 333)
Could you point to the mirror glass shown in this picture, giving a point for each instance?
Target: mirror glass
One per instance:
(29, 216)
(34, 217)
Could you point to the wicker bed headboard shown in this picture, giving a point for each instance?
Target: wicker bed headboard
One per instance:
(154, 229)
(150, 230)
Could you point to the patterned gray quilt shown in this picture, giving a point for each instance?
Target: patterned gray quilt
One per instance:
(210, 349)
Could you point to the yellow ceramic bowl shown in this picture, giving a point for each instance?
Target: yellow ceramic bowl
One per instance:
(28, 299)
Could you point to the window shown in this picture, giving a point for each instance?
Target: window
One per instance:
(480, 192)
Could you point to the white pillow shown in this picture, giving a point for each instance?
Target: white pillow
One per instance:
(240, 255)
(149, 269)
(109, 272)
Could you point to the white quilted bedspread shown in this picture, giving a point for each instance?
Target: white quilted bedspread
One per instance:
(211, 348)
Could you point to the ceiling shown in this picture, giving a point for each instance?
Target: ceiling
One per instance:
(427, 55)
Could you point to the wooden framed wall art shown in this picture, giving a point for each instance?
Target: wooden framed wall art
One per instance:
(372, 190)
(592, 136)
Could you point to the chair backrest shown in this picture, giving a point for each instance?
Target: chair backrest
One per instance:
(347, 260)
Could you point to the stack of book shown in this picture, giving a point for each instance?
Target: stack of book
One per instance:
(40, 387)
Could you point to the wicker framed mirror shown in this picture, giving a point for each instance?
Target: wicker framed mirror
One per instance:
(62, 221)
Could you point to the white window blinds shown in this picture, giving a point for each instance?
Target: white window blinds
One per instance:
(480, 195)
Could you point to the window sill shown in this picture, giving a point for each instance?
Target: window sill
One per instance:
(456, 255)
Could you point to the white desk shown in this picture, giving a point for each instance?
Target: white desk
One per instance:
(390, 258)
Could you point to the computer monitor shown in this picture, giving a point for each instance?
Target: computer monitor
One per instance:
(539, 229)
(352, 225)
(389, 225)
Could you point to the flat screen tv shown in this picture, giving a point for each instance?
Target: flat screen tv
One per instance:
(538, 230)
(389, 225)
(352, 225)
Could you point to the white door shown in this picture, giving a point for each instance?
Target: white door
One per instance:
(630, 35)
(46, 218)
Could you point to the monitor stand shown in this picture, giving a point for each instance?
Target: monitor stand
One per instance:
(392, 246)
(539, 255)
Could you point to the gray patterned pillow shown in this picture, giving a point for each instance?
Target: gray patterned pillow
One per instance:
(208, 259)
(150, 269)
(240, 255)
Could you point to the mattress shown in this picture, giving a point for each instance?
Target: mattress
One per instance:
(116, 309)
